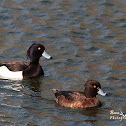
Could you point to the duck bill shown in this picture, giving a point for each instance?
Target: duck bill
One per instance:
(46, 55)
(101, 92)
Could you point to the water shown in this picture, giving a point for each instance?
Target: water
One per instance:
(86, 39)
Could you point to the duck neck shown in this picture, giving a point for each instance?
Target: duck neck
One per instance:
(34, 61)
(89, 93)
(33, 70)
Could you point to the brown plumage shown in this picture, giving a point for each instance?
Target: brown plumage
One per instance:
(16, 65)
(86, 99)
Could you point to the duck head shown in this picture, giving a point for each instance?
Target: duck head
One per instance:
(35, 51)
(92, 88)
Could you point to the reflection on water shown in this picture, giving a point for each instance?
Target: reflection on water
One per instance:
(86, 40)
(34, 84)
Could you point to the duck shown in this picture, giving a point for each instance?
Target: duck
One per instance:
(24, 70)
(80, 100)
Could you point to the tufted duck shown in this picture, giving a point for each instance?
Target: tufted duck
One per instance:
(22, 69)
(86, 99)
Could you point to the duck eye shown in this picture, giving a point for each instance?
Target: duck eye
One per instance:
(39, 48)
(94, 86)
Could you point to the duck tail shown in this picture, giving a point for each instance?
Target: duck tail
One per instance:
(55, 91)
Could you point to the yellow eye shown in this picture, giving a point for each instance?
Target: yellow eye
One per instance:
(39, 48)
(94, 86)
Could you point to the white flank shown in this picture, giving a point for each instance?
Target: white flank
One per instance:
(7, 74)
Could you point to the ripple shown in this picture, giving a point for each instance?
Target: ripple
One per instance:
(86, 40)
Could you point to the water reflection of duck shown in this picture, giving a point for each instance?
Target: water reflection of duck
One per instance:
(22, 69)
(86, 99)
(34, 84)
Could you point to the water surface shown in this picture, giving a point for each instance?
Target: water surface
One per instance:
(86, 39)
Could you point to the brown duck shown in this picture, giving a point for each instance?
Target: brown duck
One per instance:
(75, 99)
